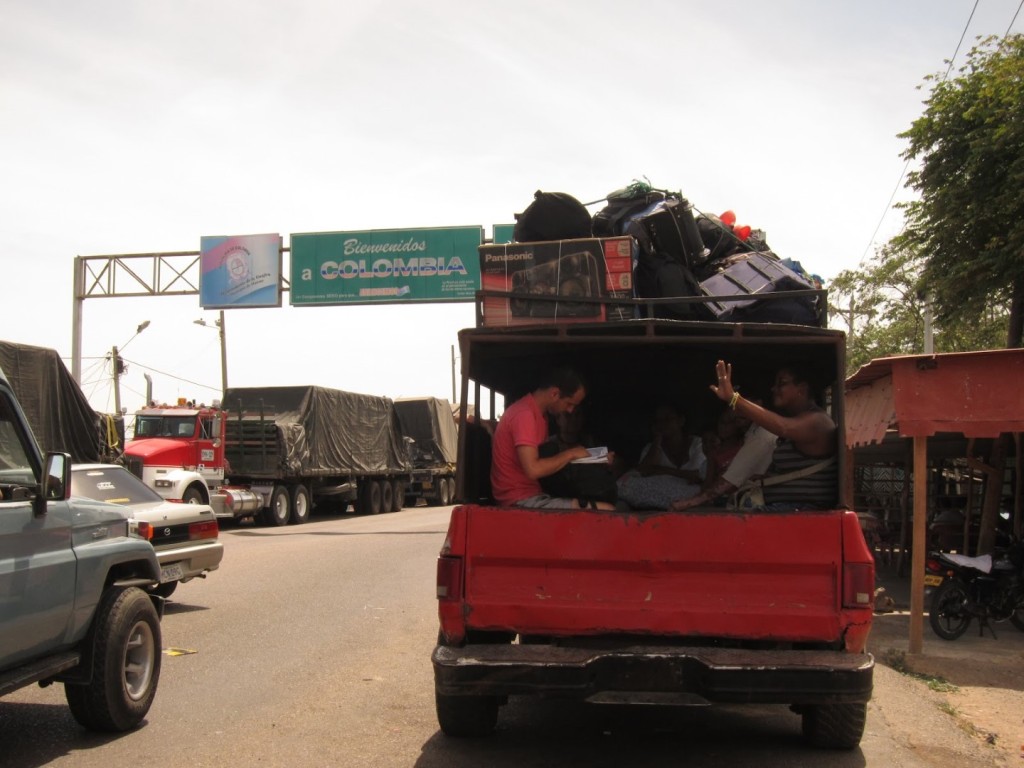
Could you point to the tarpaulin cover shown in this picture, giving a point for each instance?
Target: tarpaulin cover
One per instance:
(430, 422)
(57, 411)
(324, 431)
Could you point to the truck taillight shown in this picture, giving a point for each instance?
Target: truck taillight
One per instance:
(449, 578)
(858, 585)
(207, 529)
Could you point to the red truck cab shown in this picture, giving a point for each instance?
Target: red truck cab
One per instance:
(694, 608)
(178, 451)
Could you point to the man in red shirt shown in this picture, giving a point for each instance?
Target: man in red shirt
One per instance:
(516, 466)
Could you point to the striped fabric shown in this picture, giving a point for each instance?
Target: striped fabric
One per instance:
(815, 491)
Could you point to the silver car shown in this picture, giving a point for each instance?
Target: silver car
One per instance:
(183, 535)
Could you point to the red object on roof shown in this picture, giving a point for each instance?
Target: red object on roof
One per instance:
(977, 394)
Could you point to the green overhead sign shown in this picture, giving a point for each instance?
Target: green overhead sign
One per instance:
(503, 233)
(381, 266)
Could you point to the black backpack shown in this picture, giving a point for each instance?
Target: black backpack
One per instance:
(552, 216)
(622, 205)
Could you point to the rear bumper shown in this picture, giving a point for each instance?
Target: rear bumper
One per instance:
(195, 559)
(668, 674)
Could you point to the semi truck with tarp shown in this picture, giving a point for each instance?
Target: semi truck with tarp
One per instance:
(275, 453)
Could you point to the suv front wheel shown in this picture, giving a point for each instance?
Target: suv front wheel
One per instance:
(122, 652)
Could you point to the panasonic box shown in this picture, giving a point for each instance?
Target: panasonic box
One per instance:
(590, 268)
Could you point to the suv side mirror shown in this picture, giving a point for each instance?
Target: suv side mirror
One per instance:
(56, 484)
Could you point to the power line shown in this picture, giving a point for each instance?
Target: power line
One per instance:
(172, 376)
(1013, 20)
(903, 173)
(103, 379)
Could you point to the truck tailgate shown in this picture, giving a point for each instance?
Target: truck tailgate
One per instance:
(751, 576)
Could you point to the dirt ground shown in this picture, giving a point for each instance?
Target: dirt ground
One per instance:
(977, 680)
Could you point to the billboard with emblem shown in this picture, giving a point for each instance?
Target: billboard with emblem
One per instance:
(240, 271)
(394, 266)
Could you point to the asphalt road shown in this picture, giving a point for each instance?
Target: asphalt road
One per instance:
(311, 647)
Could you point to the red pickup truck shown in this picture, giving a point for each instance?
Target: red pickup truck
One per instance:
(696, 608)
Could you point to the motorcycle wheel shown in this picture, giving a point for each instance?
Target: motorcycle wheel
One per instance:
(1017, 617)
(948, 614)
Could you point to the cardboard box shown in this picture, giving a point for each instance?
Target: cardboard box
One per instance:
(592, 268)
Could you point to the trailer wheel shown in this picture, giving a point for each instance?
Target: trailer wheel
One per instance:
(369, 497)
(387, 496)
(834, 726)
(301, 506)
(280, 507)
(397, 495)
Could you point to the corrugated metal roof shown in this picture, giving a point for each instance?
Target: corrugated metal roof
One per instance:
(977, 394)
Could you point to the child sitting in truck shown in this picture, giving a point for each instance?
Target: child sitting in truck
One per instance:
(672, 466)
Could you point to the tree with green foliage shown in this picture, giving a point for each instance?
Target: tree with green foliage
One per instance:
(968, 223)
(884, 310)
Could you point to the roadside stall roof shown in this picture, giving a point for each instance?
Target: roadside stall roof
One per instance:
(976, 394)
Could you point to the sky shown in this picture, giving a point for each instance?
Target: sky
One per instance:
(140, 127)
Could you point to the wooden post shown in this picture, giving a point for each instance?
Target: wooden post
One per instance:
(919, 545)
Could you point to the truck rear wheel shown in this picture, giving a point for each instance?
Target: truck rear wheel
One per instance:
(369, 497)
(397, 495)
(387, 496)
(466, 715)
(301, 506)
(834, 726)
(443, 497)
(122, 650)
(280, 507)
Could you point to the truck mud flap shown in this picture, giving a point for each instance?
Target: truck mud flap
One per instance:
(706, 675)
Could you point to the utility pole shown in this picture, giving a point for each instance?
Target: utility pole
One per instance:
(219, 324)
(223, 357)
(117, 366)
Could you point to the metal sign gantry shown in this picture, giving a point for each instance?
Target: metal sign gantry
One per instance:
(175, 273)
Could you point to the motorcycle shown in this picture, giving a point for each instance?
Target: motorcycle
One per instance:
(982, 588)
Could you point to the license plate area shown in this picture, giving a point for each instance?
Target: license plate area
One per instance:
(172, 572)
(931, 580)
